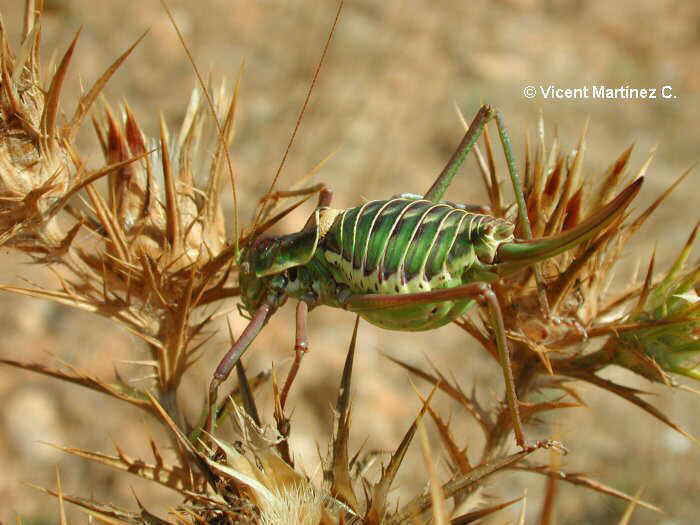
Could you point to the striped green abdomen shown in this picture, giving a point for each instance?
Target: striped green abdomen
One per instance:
(404, 245)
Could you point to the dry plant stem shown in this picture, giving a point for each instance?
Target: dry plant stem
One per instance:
(247, 394)
(168, 400)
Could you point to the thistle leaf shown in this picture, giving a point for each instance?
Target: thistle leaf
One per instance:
(580, 479)
(170, 476)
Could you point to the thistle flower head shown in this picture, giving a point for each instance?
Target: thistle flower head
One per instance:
(281, 494)
(149, 248)
(35, 168)
(564, 316)
(666, 325)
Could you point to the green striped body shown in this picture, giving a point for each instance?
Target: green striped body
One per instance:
(408, 245)
(397, 246)
(404, 245)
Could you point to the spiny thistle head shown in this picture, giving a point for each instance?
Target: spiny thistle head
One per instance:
(151, 246)
(565, 318)
(257, 468)
(36, 170)
(254, 467)
(169, 206)
(166, 209)
(665, 325)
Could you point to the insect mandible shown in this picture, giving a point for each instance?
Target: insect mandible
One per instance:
(407, 263)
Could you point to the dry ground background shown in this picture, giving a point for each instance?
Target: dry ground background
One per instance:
(385, 101)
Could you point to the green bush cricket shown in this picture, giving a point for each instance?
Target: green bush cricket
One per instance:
(408, 263)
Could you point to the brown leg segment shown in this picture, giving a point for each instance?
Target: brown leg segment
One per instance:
(301, 346)
(234, 354)
(324, 196)
(480, 292)
(489, 298)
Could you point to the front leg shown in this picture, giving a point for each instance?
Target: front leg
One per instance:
(228, 362)
(482, 293)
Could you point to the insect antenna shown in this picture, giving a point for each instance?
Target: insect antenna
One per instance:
(303, 107)
(221, 131)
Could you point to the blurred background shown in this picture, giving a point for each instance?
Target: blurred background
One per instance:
(385, 106)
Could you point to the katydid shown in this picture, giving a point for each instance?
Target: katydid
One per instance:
(408, 263)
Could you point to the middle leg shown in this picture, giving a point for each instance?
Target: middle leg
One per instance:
(301, 346)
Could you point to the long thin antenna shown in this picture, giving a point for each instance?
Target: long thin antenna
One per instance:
(232, 174)
(303, 107)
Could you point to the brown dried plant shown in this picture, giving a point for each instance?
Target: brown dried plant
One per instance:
(143, 241)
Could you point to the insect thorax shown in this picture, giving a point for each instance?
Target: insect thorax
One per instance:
(311, 281)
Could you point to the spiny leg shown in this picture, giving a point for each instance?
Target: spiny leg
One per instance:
(480, 292)
(223, 370)
(301, 346)
(523, 219)
(489, 298)
(483, 116)
(439, 187)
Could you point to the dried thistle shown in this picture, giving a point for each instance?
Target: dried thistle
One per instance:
(152, 259)
(38, 169)
(151, 251)
(555, 341)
